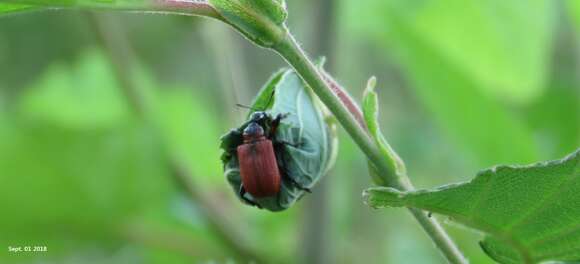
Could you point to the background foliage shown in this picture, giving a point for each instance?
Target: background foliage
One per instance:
(463, 85)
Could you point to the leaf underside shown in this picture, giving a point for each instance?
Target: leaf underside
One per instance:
(529, 214)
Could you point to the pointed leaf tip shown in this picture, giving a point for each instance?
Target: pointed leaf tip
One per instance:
(369, 93)
(371, 116)
(372, 83)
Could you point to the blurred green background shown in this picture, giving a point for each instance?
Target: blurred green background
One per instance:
(109, 126)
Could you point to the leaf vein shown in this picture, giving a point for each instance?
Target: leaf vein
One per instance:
(555, 236)
(547, 201)
(484, 195)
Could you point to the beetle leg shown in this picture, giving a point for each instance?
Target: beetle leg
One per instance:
(300, 187)
(282, 142)
(276, 122)
(243, 196)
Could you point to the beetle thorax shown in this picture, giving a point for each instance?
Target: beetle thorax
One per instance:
(253, 132)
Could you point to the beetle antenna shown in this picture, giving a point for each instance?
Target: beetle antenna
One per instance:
(254, 109)
(247, 107)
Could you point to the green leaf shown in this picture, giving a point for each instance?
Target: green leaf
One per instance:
(83, 96)
(189, 128)
(265, 99)
(574, 8)
(503, 45)
(528, 213)
(12, 8)
(451, 86)
(332, 132)
(555, 117)
(371, 115)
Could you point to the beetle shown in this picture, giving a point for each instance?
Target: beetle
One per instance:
(282, 150)
(258, 164)
(260, 157)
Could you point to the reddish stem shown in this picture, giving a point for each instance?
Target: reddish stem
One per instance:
(345, 98)
(198, 7)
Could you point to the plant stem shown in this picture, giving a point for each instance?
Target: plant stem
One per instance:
(175, 7)
(199, 8)
(439, 236)
(291, 51)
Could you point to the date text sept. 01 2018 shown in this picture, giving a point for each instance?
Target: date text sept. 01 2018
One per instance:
(17, 249)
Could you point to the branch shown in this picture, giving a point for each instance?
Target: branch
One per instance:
(344, 97)
(185, 7)
(176, 7)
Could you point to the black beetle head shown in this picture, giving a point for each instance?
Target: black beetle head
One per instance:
(253, 131)
(258, 116)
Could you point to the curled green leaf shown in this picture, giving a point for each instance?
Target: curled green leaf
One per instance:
(332, 131)
(371, 113)
(308, 135)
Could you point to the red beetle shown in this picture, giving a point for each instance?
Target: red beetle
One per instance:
(258, 165)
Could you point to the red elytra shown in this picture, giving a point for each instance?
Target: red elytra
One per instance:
(258, 166)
